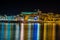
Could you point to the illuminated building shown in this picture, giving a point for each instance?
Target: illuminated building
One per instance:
(30, 26)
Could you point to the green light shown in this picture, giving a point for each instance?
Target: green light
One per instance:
(28, 13)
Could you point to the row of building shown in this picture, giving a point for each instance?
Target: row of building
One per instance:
(30, 26)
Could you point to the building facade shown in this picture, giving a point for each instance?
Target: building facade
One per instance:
(30, 26)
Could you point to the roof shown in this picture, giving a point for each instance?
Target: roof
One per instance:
(28, 13)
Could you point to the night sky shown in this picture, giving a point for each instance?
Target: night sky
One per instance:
(15, 7)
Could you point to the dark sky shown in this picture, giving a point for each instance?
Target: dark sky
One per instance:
(15, 7)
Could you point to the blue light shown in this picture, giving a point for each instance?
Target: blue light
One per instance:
(36, 18)
(35, 26)
(2, 33)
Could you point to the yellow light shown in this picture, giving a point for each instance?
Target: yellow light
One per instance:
(26, 17)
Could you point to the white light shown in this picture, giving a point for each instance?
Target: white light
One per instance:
(22, 32)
